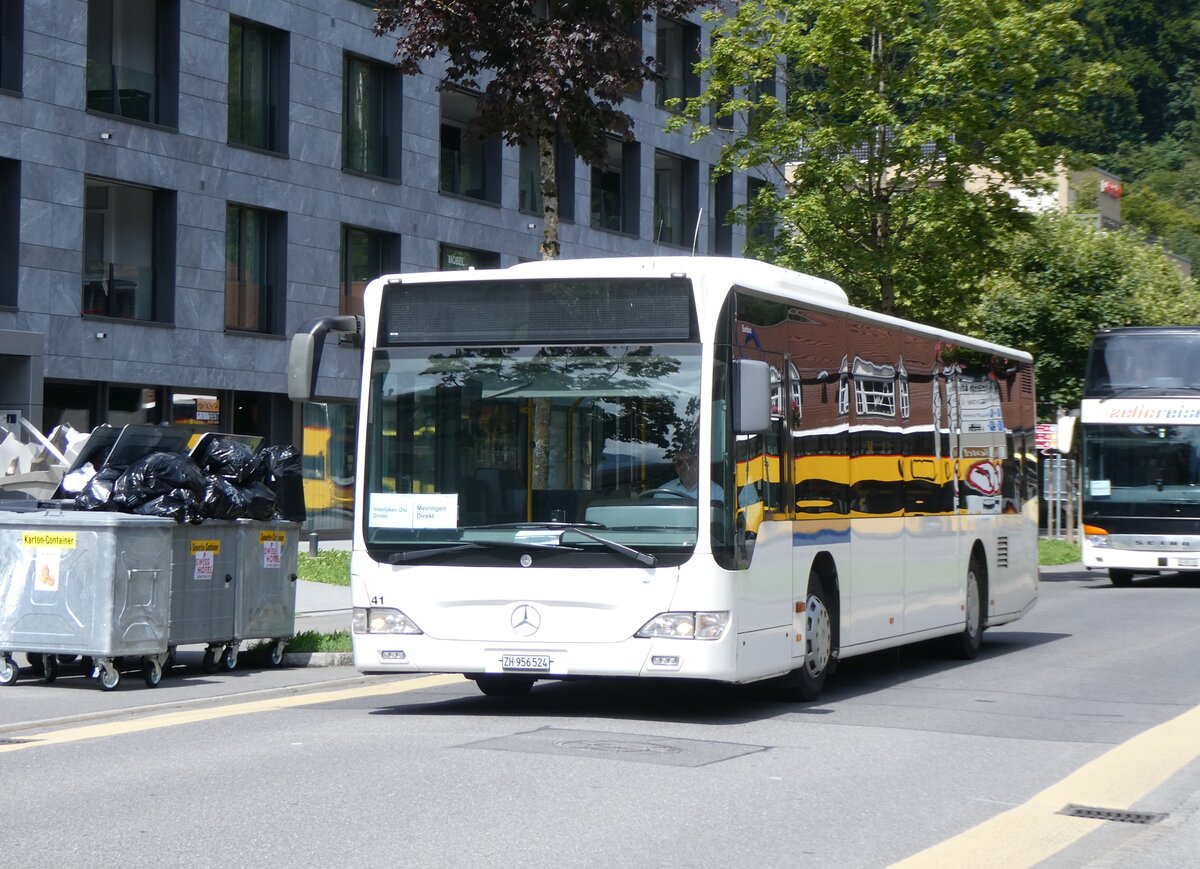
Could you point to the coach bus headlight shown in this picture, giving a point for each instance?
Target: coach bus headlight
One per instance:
(1097, 537)
(381, 620)
(686, 626)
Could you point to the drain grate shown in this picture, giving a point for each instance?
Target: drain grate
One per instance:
(1123, 815)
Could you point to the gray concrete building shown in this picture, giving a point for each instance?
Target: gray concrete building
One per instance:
(183, 183)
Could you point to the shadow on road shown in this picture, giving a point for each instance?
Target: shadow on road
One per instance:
(697, 702)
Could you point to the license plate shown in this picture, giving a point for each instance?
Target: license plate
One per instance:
(1187, 562)
(535, 663)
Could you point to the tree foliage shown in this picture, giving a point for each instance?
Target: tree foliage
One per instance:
(1065, 279)
(903, 125)
(544, 69)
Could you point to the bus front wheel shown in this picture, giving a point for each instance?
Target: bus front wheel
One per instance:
(805, 683)
(504, 686)
(1120, 578)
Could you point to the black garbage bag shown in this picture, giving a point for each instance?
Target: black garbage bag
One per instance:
(230, 459)
(224, 500)
(157, 474)
(97, 494)
(182, 505)
(260, 500)
(279, 467)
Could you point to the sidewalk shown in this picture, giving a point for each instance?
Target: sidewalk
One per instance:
(322, 607)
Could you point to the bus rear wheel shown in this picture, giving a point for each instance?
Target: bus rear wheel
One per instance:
(1120, 578)
(966, 644)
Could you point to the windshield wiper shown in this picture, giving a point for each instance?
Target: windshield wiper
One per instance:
(418, 554)
(641, 557)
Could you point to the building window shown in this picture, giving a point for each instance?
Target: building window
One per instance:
(128, 251)
(254, 272)
(678, 52)
(759, 90)
(12, 32)
(759, 227)
(720, 231)
(720, 98)
(675, 191)
(133, 59)
(371, 119)
(529, 186)
(366, 254)
(10, 230)
(452, 259)
(615, 188)
(470, 166)
(258, 74)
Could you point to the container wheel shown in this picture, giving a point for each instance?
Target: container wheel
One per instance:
(229, 659)
(210, 661)
(34, 659)
(8, 670)
(49, 667)
(151, 672)
(277, 653)
(109, 677)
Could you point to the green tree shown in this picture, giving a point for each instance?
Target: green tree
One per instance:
(904, 124)
(545, 69)
(1156, 46)
(1064, 280)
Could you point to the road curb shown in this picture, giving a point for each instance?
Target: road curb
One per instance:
(318, 659)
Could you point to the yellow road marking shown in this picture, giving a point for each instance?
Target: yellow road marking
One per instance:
(1033, 831)
(174, 719)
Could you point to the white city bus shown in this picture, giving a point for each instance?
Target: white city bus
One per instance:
(1140, 451)
(862, 482)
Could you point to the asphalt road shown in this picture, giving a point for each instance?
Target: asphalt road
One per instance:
(1093, 699)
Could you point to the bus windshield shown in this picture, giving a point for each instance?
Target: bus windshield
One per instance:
(1140, 470)
(547, 445)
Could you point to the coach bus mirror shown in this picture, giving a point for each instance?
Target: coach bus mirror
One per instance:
(304, 355)
(751, 397)
(1066, 433)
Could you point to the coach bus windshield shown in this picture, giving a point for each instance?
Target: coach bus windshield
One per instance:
(481, 447)
(1134, 470)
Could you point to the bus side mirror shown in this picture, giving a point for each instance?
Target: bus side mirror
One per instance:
(304, 355)
(1066, 433)
(751, 397)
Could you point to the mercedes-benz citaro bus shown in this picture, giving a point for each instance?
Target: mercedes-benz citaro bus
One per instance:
(674, 468)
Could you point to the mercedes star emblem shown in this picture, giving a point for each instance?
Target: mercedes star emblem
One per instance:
(526, 620)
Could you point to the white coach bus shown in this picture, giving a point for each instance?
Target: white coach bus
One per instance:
(695, 468)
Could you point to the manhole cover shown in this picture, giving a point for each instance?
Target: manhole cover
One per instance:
(619, 747)
(1125, 816)
(635, 747)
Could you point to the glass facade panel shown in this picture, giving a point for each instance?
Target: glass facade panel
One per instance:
(327, 464)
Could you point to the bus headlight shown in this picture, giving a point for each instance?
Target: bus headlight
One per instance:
(381, 620)
(686, 626)
(1097, 537)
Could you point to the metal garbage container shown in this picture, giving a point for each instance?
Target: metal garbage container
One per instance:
(95, 585)
(204, 571)
(268, 553)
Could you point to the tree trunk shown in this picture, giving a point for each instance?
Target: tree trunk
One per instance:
(548, 166)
